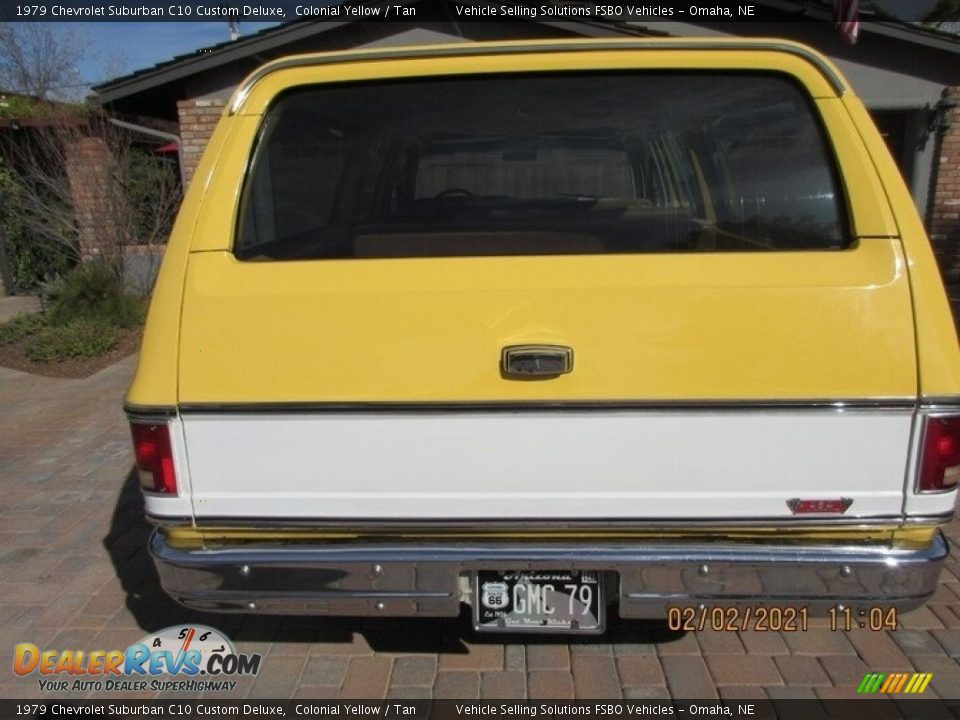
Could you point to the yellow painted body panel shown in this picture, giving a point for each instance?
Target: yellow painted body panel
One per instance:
(938, 352)
(685, 326)
(912, 537)
(155, 383)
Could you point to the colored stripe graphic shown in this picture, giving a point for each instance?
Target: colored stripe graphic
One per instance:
(891, 681)
(894, 683)
(914, 683)
(870, 682)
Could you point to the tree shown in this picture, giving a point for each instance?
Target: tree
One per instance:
(40, 59)
(86, 189)
(75, 186)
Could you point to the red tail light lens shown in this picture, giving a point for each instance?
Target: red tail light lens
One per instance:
(151, 445)
(940, 459)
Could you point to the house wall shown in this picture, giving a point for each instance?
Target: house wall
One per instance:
(945, 208)
(198, 117)
(91, 171)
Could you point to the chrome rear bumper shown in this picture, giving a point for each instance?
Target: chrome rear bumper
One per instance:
(428, 579)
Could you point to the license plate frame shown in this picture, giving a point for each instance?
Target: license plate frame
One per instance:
(496, 601)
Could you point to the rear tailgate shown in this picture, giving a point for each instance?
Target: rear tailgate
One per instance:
(421, 340)
(705, 384)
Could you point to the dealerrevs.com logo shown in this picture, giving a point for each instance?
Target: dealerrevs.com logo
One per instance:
(182, 651)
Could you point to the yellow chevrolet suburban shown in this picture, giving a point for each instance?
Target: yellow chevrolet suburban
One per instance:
(553, 329)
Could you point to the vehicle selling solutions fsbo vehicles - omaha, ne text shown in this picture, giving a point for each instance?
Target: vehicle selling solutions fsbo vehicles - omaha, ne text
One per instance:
(548, 328)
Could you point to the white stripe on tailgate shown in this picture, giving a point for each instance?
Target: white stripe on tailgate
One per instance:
(569, 464)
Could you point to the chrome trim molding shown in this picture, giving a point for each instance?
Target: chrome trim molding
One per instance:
(535, 525)
(146, 413)
(942, 519)
(946, 402)
(169, 523)
(395, 579)
(466, 50)
(868, 405)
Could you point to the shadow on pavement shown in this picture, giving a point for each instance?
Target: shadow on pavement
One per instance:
(153, 609)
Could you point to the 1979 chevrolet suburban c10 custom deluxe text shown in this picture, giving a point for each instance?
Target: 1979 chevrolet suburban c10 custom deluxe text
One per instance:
(555, 329)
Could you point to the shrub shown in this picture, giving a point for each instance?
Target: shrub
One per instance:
(50, 289)
(92, 291)
(21, 326)
(80, 338)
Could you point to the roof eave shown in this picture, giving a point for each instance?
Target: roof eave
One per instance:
(174, 70)
(243, 48)
(887, 28)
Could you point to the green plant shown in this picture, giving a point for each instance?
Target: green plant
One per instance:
(29, 258)
(93, 291)
(21, 326)
(22, 107)
(152, 190)
(50, 289)
(80, 338)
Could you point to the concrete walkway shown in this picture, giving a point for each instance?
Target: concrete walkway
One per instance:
(75, 574)
(13, 305)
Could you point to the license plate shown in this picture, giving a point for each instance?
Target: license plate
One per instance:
(538, 601)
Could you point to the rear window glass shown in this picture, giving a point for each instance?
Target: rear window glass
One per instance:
(541, 164)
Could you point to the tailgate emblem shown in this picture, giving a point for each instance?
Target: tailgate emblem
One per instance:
(535, 361)
(834, 506)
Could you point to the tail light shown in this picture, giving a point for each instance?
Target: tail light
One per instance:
(940, 454)
(152, 448)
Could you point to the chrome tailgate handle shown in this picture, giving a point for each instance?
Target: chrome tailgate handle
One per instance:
(535, 361)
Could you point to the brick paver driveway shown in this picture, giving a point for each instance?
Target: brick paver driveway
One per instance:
(74, 574)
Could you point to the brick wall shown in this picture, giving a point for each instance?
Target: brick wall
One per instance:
(197, 120)
(91, 170)
(945, 208)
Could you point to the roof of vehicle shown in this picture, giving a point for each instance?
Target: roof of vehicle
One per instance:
(822, 64)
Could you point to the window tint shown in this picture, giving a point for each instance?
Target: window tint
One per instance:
(541, 164)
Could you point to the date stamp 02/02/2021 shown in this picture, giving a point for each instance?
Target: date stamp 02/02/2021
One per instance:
(777, 618)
